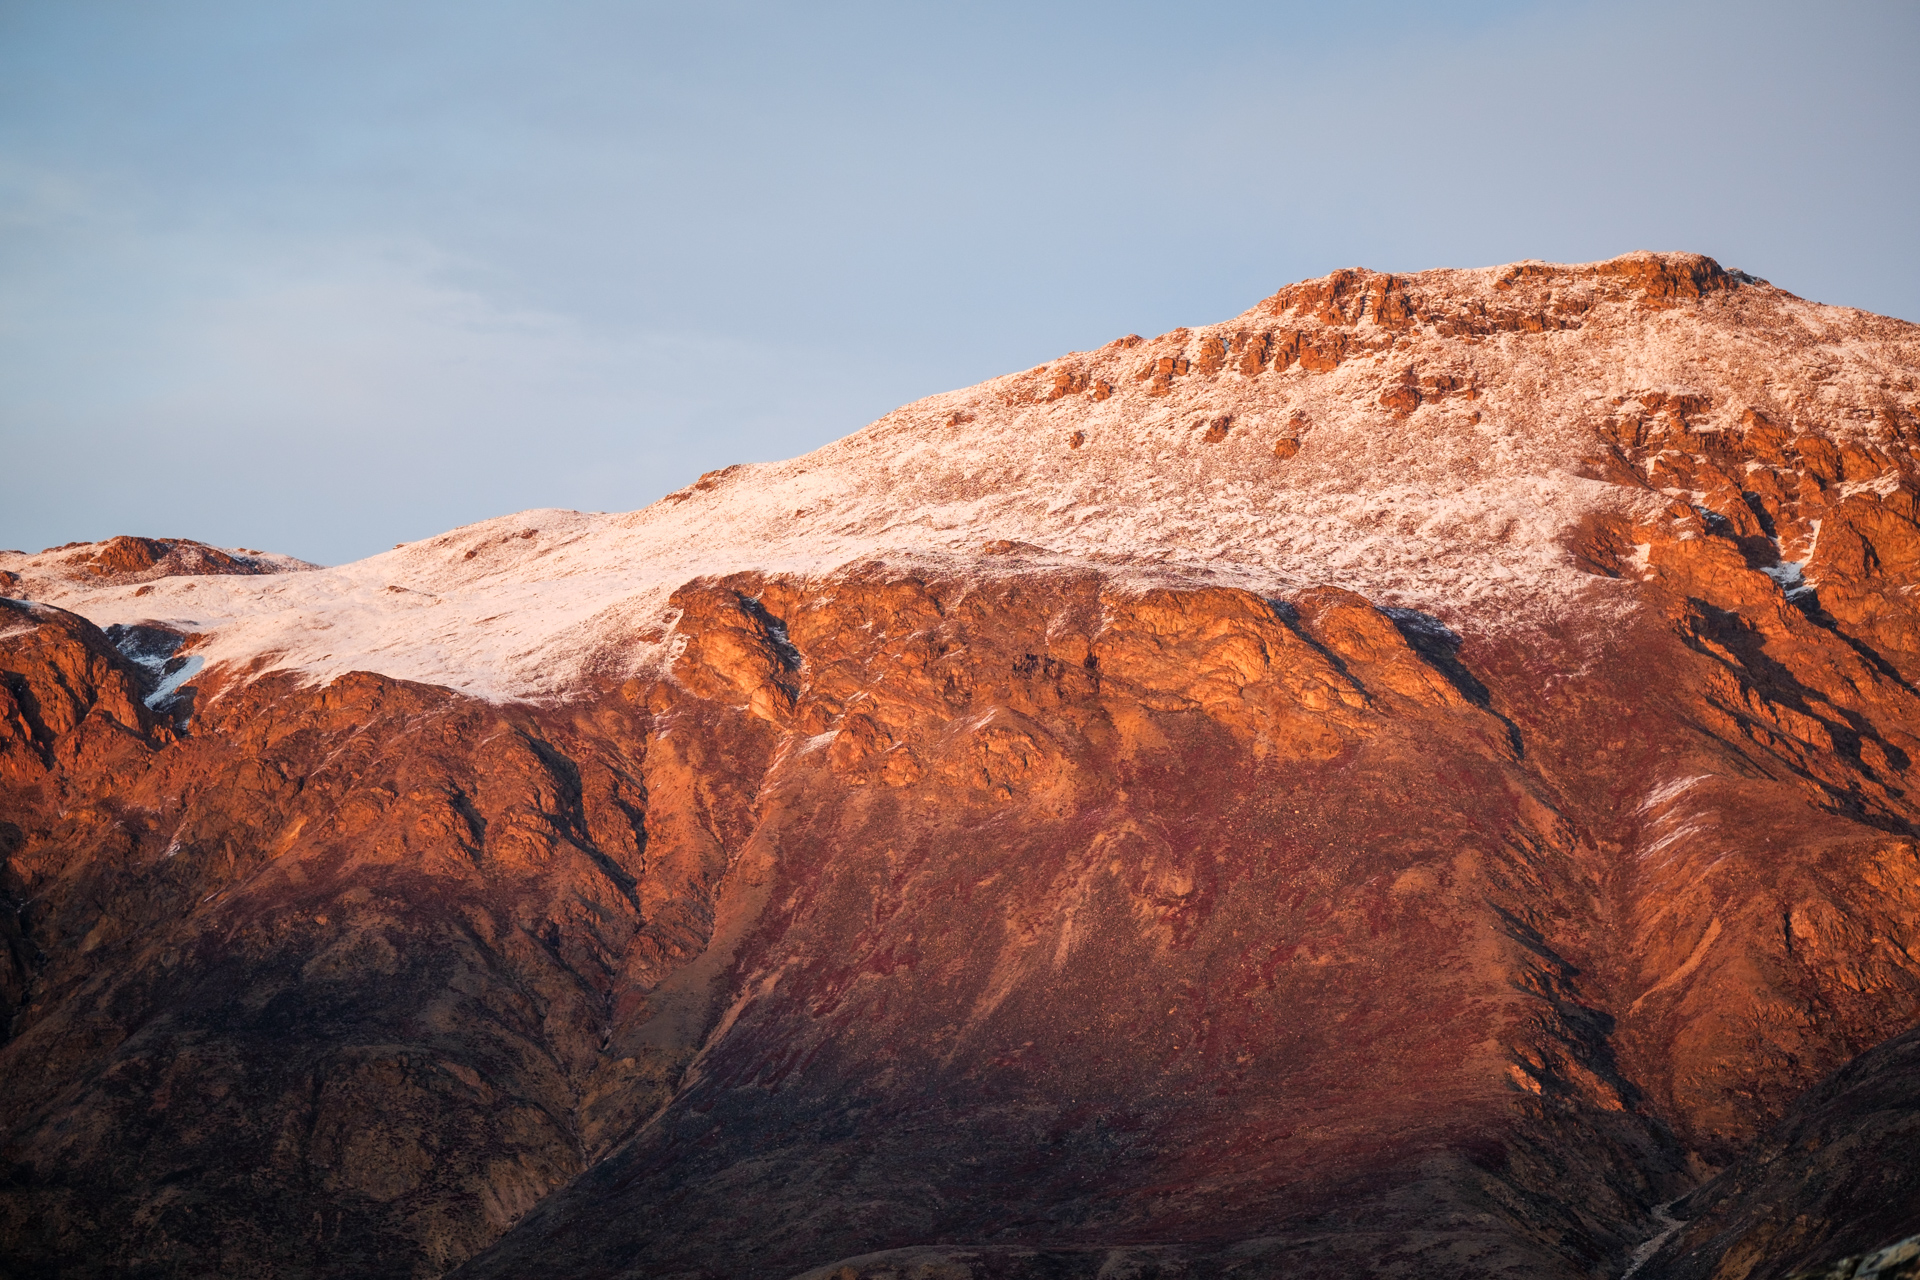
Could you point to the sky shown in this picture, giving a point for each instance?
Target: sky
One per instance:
(320, 278)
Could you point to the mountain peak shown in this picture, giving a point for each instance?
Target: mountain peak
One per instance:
(1431, 440)
(1408, 780)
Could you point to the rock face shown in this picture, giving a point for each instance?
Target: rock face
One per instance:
(1414, 781)
(1898, 1261)
(1836, 1172)
(132, 560)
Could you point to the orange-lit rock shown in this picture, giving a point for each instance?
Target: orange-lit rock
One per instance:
(1023, 904)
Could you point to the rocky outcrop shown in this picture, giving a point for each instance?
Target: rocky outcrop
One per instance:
(130, 560)
(1898, 1261)
(1836, 1173)
(1027, 910)
(340, 966)
(890, 842)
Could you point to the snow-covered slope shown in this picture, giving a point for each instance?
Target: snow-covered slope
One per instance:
(1427, 440)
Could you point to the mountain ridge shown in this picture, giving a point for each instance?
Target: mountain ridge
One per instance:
(1336, 365)
(1412, 780)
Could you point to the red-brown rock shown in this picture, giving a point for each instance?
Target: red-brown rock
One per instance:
(1003, 908)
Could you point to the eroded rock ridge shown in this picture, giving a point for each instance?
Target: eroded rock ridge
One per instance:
(1412, 781)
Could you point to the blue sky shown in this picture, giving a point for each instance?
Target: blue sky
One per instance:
(321, 278)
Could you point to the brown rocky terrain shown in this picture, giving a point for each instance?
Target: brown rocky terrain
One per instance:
(124, 559)
(1837, 1171)
(1897, 1261)
(1414, 781)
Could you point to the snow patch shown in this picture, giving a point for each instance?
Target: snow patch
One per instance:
(1883, 484)
(171, 681)
(1790, 574)
(1669, 790)
(1457, 512)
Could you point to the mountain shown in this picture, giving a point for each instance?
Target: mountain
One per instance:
(1413, 780)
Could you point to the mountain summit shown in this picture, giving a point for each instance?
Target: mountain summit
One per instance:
(1425, 440)
(1412, 780)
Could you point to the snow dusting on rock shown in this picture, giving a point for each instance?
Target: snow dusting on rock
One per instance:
(1425, 440)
